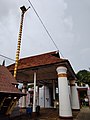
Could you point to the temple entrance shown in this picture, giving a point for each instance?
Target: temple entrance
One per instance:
(49, 71)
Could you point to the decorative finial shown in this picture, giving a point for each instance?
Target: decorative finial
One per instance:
(23, 8)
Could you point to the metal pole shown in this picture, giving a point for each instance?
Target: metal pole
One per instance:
(23, 9)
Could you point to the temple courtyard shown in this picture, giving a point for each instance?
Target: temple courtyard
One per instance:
(51, 114)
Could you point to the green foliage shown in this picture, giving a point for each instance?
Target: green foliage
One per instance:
(83, 77)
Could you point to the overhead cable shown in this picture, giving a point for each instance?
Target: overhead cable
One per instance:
(7, 57)
(43, 24)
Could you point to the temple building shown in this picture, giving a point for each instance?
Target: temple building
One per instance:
(53, 79)
(9, 94)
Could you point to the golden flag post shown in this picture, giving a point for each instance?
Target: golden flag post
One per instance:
(23, 9)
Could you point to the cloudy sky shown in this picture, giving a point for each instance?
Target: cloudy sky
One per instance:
(68, 22)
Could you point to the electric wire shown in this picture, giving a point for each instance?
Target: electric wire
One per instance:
(44, 27)
(7, 57)
(43, 24)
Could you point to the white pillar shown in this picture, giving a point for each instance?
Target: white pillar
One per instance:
(53, 90)
(24, 90)
(64, 98)
(34, 95)
(74, 96)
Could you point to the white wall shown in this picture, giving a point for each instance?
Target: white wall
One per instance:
(44, 97)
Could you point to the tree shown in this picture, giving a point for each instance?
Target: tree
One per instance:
(83, 77)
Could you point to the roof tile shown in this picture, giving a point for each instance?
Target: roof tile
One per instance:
(6, 80)
(38, 60)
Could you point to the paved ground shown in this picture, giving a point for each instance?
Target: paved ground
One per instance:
(84, 114)
(52, 114)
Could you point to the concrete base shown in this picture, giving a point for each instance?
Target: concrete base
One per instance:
(75, 109)
(68, 118)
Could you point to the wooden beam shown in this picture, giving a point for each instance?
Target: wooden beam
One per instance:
(2, 101)
(12, 104)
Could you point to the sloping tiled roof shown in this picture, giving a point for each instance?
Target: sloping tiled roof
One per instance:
(6, 80)
(38, 60)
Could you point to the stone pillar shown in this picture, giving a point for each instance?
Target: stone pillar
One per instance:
(34, 95)
(74, 96)
(64, 98)
(53, 90)
(24, 90)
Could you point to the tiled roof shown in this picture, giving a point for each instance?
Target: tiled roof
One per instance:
(6, 80)
(38, 60)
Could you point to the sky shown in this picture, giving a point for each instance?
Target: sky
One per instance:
(68, 22)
